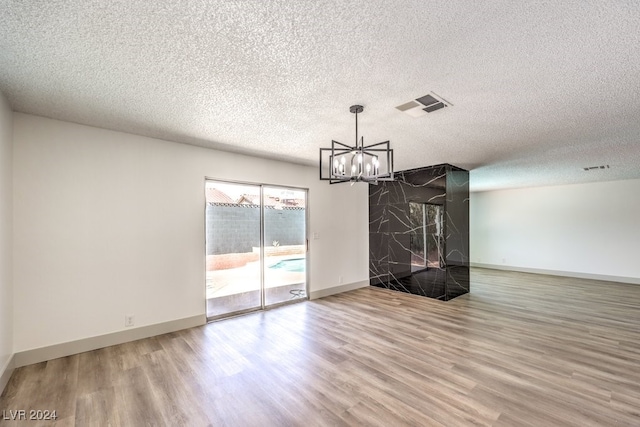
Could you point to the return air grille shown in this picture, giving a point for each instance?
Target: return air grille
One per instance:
(409, 105)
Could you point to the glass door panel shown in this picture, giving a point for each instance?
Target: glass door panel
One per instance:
(435, 239)
(417, 237)
(233, 249)
(426, 238)
(285, 244)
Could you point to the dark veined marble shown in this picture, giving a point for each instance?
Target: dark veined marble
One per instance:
(419, 232)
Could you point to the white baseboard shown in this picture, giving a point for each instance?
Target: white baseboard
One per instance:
(55, 351)
(605, 277)
(42, 354)
(338, 289)
(5, 373)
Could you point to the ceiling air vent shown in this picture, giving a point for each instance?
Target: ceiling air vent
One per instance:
(590, 168)
(423, 105)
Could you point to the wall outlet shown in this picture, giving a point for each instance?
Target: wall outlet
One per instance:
(129, 320)
(504, 260)
(339, 280)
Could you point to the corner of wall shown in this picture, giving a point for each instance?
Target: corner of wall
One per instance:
(338, 289)
(6, 372)
(6, 243)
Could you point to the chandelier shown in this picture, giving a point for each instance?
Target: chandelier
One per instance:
(342, 163)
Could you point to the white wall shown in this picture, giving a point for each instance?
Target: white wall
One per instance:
(109, 223)
(591, 229)
(6, 213)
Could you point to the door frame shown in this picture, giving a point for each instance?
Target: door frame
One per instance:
(262, 306)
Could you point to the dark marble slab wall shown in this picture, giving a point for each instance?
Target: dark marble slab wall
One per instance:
(445, 189)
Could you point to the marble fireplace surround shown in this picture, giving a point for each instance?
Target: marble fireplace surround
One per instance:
(429, 204)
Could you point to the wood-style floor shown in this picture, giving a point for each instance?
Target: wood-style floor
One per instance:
(520, 350)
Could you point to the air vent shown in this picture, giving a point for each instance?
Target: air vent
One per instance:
(427, 100)
(590, 168)
(423, 105)
(434, 107)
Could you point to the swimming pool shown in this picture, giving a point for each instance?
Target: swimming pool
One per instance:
(293, 264)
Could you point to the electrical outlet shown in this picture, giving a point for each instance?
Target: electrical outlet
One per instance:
(339, 280)
(129, 320)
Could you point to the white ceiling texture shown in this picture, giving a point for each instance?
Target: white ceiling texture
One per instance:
(540, 89)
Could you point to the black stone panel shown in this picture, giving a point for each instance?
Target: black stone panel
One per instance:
(457, 281)
(378, 258)
(419, 194)
(378, 219)
(399, 248)
(391, 231)
(380, 279)
(429, 283)
(379, 194)
(398, 214)
(399, 270)
(432, 177)
(379, 247)
(457, 233)
(396, 192)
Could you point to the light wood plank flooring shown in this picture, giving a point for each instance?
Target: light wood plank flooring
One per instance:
(520, 350)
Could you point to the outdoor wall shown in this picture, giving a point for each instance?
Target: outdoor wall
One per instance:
(582, 230)
(286, 226)
(109, 223)
(6, 215)
(236, 229)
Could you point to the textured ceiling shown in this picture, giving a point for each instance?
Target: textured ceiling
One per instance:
(539, 89)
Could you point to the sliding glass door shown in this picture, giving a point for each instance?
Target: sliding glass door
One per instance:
(233, 221)
(285, 238)
(255, 247)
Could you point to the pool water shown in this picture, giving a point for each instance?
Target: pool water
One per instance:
(293, 264)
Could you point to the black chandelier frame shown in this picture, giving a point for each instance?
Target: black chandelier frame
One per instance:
(363, 161)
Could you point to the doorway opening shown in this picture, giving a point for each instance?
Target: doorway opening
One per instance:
(426, 238)
(256, 247)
